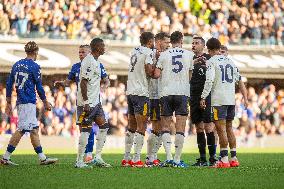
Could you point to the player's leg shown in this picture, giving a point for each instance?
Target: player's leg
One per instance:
(14, 141)
(181, 111)
(166, 119)
(220, 114)
(85, 129)
(129, 136)
(231, 136)
(141, 114)
(101, 136)
(196, 119)
(154, 139)
(34, 136)
(209, 129)
(90, 145)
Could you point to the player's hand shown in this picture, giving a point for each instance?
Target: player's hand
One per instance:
(47, 106)
(202, 103)
(8, 109)
(87, 108)
(58, 83)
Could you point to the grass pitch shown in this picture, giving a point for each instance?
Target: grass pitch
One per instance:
(257, 170)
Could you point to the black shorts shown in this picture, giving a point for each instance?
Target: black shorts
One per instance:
(155, 110)
(198, 114)
(225, 112)
(84, 119)
(174, 103)
(138, 105)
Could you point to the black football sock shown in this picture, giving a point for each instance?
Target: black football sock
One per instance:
(201, 141)
(211, 144)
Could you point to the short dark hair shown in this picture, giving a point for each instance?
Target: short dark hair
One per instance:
(94, 43)
(200, 38)
(84, 46)
(31, 47)
(213, 44)
(161, 36)
(223, 47)
(176, 37)
(145, 37)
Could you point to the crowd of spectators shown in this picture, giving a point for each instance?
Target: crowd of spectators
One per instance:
(264, 115)
(232, 21)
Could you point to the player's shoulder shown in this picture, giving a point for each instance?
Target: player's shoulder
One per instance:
(76, 65)
(89, 59)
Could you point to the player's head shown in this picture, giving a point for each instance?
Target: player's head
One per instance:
(213, 45)
(176, 38)
(97, 46)
(31, 49)
(84, 50)
(198, 44)
(224, 50)
(147, 39)
(162, 41)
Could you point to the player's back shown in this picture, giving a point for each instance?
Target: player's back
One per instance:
(137, 83)
(175, 64)
(226, 75)
(25, 73)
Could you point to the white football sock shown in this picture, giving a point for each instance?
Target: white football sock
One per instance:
(83, 140)
(7, 155)
(156, 146)
(166, 138)
(41, 156)
(129, 137)
(100, 142)
(179, 140)
(138, 144)
(150, 147)
(159, 144)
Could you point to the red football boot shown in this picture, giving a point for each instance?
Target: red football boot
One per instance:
(126, 163)
(234, 163)
(138, 164)
(221, 164)
(156, 162)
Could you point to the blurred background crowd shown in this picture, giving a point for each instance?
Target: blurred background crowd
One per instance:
(264, 116)
(255, 22)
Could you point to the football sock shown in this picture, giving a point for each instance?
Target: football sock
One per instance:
(83, 139)
(166, 138)
(201, 142)
(233, 152)
(160, 143)
(101, 139)
(39, 152)
(128, 144)
(211, 144)
(9, 151)
(150, 146)
(179, 140)
(224, 155)
(138, 144)
(91, 141)
(156, 145)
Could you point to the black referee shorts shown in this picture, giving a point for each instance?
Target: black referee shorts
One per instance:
(198, 114)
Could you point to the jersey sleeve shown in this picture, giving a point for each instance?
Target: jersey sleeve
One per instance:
(72, 74)
(38, 82)
(10, 82)
(190, 59)
(210, 76)
(103, 71)
(86, 69)
(237, 75)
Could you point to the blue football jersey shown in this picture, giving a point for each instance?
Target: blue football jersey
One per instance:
(75, 72)
(26, 75)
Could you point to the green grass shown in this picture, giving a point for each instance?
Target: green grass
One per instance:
(257, 170)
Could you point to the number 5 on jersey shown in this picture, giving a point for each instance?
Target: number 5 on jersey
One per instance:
(177, 63)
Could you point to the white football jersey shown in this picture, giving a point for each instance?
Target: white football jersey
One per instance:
(154, 83)
(137, 83)
(221, 77)
(175, 64)
(90, 70)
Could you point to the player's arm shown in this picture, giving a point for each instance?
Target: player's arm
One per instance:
(210, 76)
(70, 78)
(241, 85)
(39, 88)
(9, 90)
(105, 82)
(85, 74)
(149, 68)
(158, 68)
(190, 67)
